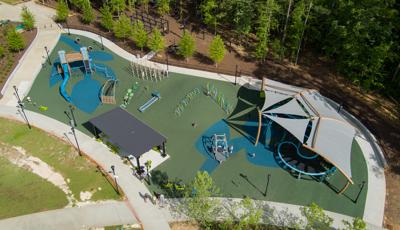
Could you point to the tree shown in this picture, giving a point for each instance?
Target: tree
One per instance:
(156, 41)
(198, 203)
(14, 40)
(148, 166)
(87, 12)
(27, 18)
(139, 34)
(131, 5)
(106, 17)
(217, 50)
(209, 11)
(77, 3)
(62, 11)
(187, 45)
(316, 218)
(117, 6)
(357, 224)
(145, 5)
(266, 22)
(122, 27)
(163, 7)
(296, 27)
(242, 16)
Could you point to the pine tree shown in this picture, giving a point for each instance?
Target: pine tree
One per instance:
(163, 7)
(187, 45)
(139, 35)
(117, 6)
(131, 5)
(62, 11)
(122, 27)
(14, 40)
(156, 42)
(106, 17)
(87, 12)
(217, 50)
(27, 18)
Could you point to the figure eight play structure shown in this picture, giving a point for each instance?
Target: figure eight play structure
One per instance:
(107, 94)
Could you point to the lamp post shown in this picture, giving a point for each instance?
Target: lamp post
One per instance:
(66, 23)
(47, 52)
(115, 177)
(236, 72)
(71, 108)
(21, 105)
(166, 54)
(72, 124)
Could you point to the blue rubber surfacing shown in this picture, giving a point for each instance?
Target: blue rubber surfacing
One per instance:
(85, 93)
(263, 156)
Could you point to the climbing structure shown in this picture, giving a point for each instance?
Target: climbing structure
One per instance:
(107, 95)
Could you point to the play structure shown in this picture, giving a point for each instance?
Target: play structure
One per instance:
(65, 69)
(219, 98)
(107, 93)
(303, 162)
(129, 95)
(220, 147)
(156, 97)
(186, 101)
(147, 70)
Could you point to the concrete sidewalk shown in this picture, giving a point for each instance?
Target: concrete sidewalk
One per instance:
(146, 213)
(107, 213)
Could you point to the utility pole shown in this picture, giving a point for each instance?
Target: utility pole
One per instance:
(22, 107)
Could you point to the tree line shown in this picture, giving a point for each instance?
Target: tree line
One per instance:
(360, 37)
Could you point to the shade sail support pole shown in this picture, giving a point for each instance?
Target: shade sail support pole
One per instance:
(259, 126)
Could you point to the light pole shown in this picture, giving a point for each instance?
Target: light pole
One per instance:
(71, 108)
(66, 22)
(115, 177)
(47, 52)
(72, 124)
(166, 54)
(21, 105)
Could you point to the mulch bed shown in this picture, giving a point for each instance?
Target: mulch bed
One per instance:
(10, 60)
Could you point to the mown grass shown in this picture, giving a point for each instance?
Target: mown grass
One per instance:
(82, 174)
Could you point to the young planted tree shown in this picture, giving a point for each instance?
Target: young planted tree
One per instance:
(117, 6)
(15, 41)
(62, 11)
(187, 46)
(163, 7)
(139, 35)
(87, 12)
(316, 218)
(156, 41)
(122, 27)
(198, 203)
(357, 224)
(106, 17)
(27, 18)
(217, 50)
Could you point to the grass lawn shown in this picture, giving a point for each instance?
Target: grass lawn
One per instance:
(83, 175)
(22, 192)
(239, 176)
(12, 2)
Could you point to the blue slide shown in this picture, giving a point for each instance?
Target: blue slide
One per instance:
(156, 97)
(64, 83)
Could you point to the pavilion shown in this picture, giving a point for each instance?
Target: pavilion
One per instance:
(130, 135)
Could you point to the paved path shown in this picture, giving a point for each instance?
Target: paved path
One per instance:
(146, 213)
(31, 62)
(96, 215)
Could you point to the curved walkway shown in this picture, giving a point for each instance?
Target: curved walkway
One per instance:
(147, 214)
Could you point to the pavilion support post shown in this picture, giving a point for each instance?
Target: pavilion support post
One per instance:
(262, 84)
(259, 126)
(138, 162)
(163, 149)
(344, 188)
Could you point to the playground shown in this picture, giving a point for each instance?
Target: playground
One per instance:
(209, 125)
